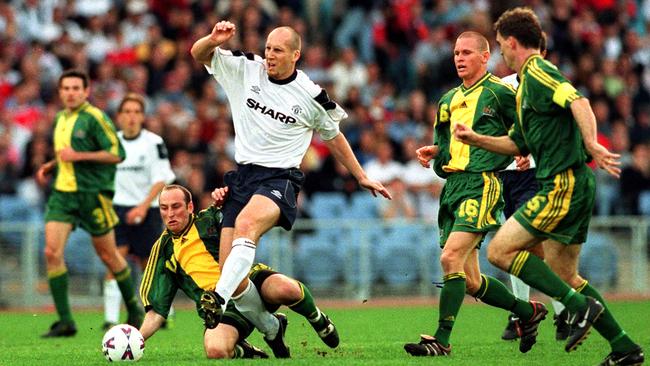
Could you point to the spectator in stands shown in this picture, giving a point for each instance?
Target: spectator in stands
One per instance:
(635, 178)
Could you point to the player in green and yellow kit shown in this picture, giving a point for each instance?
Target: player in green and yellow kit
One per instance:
(471, 202)
(87, 150)
(186, 257)
(557, 126)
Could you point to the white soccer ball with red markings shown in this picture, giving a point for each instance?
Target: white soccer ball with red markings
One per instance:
(123, 343)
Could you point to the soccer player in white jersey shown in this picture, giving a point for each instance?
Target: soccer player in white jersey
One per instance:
(275, 108)
(138, 181)
(519, 186)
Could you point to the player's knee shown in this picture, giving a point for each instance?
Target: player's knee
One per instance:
(53, 254)
(245, 225)
(495, 255)
(449, 259)
(218, 351)
(281, 290)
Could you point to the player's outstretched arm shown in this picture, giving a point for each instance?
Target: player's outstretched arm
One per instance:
(152, 322)
(500, 145)
(341, 150)
(586, 121)
(203, 48)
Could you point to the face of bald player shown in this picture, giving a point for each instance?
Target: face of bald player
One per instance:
(175, 212)
(280, 57)
(470, 61)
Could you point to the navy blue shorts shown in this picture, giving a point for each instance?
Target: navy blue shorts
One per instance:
(139, 238)
(518, 187)
(280, 185)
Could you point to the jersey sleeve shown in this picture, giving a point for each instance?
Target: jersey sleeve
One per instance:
(161, 169)
(550, 86)
(328, 116)
(227, 67)
(508, 105)
(158, 287)
(518, 138)
(106, 135)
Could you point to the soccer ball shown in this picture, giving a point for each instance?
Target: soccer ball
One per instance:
(123, 343)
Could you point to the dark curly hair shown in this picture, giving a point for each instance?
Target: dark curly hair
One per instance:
(522, 24)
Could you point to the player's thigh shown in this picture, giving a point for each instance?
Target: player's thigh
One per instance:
(220, 341)
(258, 216)
(511, 238)
(563, 259)
(276, 288)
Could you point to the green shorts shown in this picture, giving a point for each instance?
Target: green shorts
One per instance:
(93, 211)
(561, 209)
(470, 202)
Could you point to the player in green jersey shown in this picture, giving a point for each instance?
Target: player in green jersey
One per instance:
(471, 202)
(186, 257)
(87, 150)
(557, 126)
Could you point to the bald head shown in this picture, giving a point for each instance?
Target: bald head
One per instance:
(482, 44)
(289, 35)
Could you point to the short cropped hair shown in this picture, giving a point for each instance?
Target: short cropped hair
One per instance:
(186, 193)
(132, 97)
(483, 44)
(522, 24)
(75, 73)
(294, 42)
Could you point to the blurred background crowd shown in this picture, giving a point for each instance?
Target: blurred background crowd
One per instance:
(386, 62)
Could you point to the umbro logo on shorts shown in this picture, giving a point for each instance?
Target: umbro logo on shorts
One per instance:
(276, 193)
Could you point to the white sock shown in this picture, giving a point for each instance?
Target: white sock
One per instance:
(235, 268)
(112, 301)
(519, 288)
(249, 303)
(172, 312)
(557, 306)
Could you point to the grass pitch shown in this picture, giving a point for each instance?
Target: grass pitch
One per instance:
(369, 336)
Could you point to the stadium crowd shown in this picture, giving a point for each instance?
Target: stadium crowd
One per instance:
(386, 62)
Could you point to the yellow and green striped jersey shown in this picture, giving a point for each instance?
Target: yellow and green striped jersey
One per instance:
(545, 125)
(85, 129)
(488, 107)
(188, 261)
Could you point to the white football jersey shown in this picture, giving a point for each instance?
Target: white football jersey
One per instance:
(146, 163)
(513, 80)
(273, 120)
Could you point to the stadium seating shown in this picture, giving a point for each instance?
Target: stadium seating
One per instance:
(644, 203)
(599, 260)
(320, 264)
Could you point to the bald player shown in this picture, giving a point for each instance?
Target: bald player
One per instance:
(471, 201)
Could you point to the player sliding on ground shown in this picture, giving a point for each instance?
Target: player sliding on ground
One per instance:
(186, 257)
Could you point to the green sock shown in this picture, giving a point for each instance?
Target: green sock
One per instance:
(451, 298)
(307, 307)
(59, 289)
(494, 292)
(606, 325)
(127, 288)
(532, 270)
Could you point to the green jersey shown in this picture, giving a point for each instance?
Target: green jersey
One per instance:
(545, 126)
(85, 129)
(188, 261)
(488, 107)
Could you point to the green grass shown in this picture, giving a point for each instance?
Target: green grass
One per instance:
(368, 337)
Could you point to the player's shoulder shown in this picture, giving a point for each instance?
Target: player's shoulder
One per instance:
(446, 98)
(150, 136)
(498, 85)
(249, 56)
(314, 91)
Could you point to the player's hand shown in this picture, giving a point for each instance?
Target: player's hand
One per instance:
(68, 154)
(426, 153)
(219, 196)
(605, 159)
(522, 162)
(375, 187)
(465, 134)
(136, 215)
(223, 31)
(43, 173)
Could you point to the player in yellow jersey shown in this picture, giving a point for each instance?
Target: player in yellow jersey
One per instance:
(87, 150)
